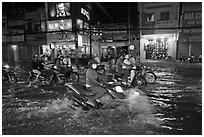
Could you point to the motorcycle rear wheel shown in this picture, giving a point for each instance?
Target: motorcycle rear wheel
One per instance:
(150, 77)
(140, 82)
(74, 77)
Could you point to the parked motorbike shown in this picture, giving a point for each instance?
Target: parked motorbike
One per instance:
(145, 71)
(9, 75)
(79, 95)
(192, 59)
(56, 77)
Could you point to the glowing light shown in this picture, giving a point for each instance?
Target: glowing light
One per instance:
(52, 46)
(14, 47)
(64, 46)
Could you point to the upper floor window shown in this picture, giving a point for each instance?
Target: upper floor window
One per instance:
(164, 16)
(150, 17)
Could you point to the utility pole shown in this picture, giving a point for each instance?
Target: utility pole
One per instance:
(129, 23)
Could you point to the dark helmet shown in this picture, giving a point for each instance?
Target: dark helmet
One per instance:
(93, 61)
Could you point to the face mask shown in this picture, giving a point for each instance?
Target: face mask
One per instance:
(94, 66)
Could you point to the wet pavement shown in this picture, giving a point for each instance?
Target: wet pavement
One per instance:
(171, 106)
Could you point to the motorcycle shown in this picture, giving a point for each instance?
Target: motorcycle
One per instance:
(9, 75)
(79, 95)
(192, 59)
(137, 80)
(145, 71)
(71, 75)
(56, 77)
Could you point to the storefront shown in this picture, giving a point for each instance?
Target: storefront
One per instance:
(158, 46)
(68, 30)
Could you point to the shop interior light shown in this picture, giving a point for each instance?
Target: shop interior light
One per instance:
(52, 46)
(14, 47)
(56, 25)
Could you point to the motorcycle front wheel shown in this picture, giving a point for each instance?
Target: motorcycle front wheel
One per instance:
(74, 77)
(12, 78)
(140, 82)
(85, 69)
(150, 77)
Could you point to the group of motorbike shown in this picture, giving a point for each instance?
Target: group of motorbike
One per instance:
(78, 93)
(113, 85)
(57, 77)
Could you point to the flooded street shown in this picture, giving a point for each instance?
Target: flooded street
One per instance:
(171, 106)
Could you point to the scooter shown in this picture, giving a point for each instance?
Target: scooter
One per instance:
(57, 77)
(135, 80)
(9, 75)
(146, 72)
(79, 95)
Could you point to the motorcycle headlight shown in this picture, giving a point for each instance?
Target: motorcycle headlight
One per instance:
(74, 67)
(6, 66)
(118, 89)
(55, 67)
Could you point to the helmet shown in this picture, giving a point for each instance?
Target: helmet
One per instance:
(93, 61)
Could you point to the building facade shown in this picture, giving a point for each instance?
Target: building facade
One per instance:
(68, 29)
(190, 38)
(57, 27)
(159, 22)
(115, 35)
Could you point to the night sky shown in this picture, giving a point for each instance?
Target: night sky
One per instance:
(117, 10)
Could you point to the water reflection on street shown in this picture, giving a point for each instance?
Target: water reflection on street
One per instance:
(173, 105)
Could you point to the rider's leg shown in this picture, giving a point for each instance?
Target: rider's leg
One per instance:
(130, 78)
(126, 73)
(98, 91)
(38, 74)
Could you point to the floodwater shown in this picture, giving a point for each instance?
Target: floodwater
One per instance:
(171, 106)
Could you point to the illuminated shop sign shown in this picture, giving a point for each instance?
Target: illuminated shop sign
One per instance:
(57, 25)
(85, 13)
(58, 10)
(60, 37)
(79, 24)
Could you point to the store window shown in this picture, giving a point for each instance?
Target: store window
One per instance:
(59, 25)
(165, 16)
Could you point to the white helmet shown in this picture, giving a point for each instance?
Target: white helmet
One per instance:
(127, 56)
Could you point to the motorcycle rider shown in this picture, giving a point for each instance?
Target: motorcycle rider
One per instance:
(38, 66)
(35, 66)
(120, 67)
(92, 83)
(130, 62)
